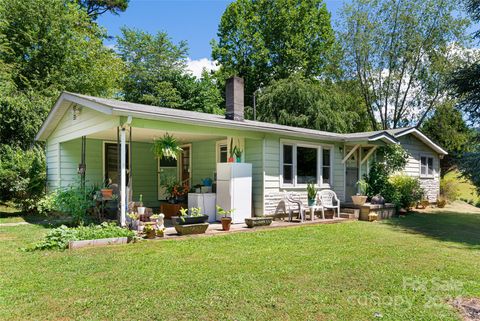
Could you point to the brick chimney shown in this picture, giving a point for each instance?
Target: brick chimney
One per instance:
(234, 96)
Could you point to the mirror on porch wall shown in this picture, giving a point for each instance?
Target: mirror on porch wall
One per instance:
(174, 170)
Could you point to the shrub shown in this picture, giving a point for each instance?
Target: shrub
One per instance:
(409, 190)
(449, 189)
(58, 238)
(22, 175)
(379, 184)
(75, 201)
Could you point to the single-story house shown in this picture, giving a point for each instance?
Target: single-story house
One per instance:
(89, 130)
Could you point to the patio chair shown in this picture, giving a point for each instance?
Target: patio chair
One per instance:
(326, 198)
(293, 205)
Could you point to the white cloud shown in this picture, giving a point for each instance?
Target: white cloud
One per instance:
(196, 66)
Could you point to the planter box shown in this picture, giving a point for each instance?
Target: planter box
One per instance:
(176, 220)
(99, 242)
(191, 228)
(258, 221)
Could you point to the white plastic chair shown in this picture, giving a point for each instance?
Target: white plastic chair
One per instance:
(326, 198)
(294, 204)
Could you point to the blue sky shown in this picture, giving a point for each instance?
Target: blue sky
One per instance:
(193, 21)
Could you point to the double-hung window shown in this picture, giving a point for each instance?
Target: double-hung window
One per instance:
(426, 166)
(303, 164)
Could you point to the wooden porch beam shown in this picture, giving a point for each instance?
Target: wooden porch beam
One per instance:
(350, 153)
(370, 152)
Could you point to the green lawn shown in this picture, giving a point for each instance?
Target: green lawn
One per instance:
(347, 271)
(465, 187)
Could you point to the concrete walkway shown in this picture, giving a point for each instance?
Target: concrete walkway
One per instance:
(216, 228)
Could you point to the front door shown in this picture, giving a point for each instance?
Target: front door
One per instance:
(185, 165)
(351, 174)
(167, 174)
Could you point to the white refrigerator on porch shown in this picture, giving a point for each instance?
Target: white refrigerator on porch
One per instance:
(234, 189)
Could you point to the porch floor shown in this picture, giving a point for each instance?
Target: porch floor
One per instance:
(216, 228)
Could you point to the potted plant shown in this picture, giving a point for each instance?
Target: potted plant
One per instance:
(149, 230)
(106, 191)
(238, 154)
(361, 196)
(166, 147)
(231, 152)
(140, 207)
(194, 217)
(226, 219)
(311, 194)
(134, 218)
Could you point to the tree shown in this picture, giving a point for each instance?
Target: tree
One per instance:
(156, 74)
(266, 40)
(466, 80)
(401, 52)
(448, 129)
(95, 8)
(48, 46)
(297, 101)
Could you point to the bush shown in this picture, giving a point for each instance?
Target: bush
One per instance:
(409, 190)
(22, 175)
(379, 184)
(75, 201)
(449, 189)
(58, 238)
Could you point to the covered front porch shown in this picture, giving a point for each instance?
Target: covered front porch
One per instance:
(123, 155)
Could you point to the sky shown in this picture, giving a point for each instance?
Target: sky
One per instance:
(193, 21)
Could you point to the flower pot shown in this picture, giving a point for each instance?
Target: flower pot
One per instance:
(359, 199)
(107, 192)
(150, 234)
(311, 201)
(141, 210)
(231, 160)
(177, 220)
(226, 222)
(160, 233)
(239, 159)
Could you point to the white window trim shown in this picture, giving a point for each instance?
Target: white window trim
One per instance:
(319, 148)
(420, 166)
(103, 156)
(219, 143)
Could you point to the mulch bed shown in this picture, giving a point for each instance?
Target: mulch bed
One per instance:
(468, 308)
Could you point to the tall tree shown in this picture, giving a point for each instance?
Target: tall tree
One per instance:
(95, 8)
(448, 128)
(157, 74)
(315, 104)
(48, 46)
(401, 52)
(265, 40)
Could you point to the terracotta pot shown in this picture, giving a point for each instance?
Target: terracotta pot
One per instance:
(231, 160)
(226, 222)
(107, 192)
(359, 199)
(150, 234)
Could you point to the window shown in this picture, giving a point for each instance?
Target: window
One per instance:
(222, 151)
(426, 166)
(302, 164)
(307, 165)
(112, 161)
(287, 164)
(326, 165)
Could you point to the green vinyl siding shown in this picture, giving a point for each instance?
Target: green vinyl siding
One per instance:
(203, 160)
(144, 174)
(254, 155)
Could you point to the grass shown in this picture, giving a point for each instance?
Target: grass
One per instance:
(348, 271)
(466, 188)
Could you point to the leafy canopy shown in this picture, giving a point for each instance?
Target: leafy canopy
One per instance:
(265, 40)
(156, 74)
(401, 53)
(322, 105)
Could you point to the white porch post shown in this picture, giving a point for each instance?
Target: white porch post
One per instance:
(123, 177)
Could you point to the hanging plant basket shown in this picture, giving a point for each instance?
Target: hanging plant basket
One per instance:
(166, 147)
